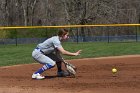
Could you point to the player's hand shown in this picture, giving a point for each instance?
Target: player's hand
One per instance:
(78, 52)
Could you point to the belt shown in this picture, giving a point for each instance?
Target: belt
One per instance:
(40, 50)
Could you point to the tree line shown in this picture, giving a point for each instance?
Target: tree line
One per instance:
(69, 12)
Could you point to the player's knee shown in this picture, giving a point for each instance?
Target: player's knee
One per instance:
(53, 63)
(50, 65)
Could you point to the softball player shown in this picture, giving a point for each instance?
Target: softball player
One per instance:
(46, 53)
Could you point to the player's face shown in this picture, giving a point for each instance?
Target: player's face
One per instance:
(65, 37)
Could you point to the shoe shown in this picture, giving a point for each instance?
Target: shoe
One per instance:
(37, 76)
(63, 74)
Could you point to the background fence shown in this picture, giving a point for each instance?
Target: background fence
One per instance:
(78, 33)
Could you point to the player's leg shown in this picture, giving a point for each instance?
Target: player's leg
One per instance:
(57, 59)
(47, 64)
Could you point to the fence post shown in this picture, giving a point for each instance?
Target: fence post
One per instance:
(136, 33)
(16, 36)
(108, 36)
(46, 33)
(77, 36)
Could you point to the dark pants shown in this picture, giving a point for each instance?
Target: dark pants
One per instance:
(57, 59)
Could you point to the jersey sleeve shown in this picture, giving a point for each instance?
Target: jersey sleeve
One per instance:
(57, 43)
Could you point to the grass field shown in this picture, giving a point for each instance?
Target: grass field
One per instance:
(21, 54)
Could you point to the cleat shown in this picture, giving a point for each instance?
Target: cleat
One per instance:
(63, 74)
(37, 76)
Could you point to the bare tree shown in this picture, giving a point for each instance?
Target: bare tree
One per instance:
(64, 12)
(32, 10)
(4, 12)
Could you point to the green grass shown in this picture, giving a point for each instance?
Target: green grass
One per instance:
(21, 54)
(12, 54)
(90, 50)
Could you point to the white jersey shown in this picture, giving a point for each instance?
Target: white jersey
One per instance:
(49, 45)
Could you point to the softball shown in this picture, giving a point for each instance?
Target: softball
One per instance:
(114, 70)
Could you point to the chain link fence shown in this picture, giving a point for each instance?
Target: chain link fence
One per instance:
(77, 34)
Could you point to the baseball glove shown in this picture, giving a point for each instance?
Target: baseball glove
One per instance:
(70, 68)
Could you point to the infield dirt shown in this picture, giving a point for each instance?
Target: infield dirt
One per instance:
(93, 76)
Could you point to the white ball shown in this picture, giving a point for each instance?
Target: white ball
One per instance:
(114, 70)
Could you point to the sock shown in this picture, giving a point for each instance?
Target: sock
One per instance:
(41, 70)
(45, 67)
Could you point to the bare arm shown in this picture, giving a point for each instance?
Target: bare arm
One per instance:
(63, 51)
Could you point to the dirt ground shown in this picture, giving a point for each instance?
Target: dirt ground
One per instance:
(93, 76)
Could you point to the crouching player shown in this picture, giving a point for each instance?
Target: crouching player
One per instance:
(46, 53)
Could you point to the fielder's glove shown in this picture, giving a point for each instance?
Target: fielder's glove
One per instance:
(70, 68)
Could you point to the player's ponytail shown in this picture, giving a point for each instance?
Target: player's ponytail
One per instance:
(62, 32)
